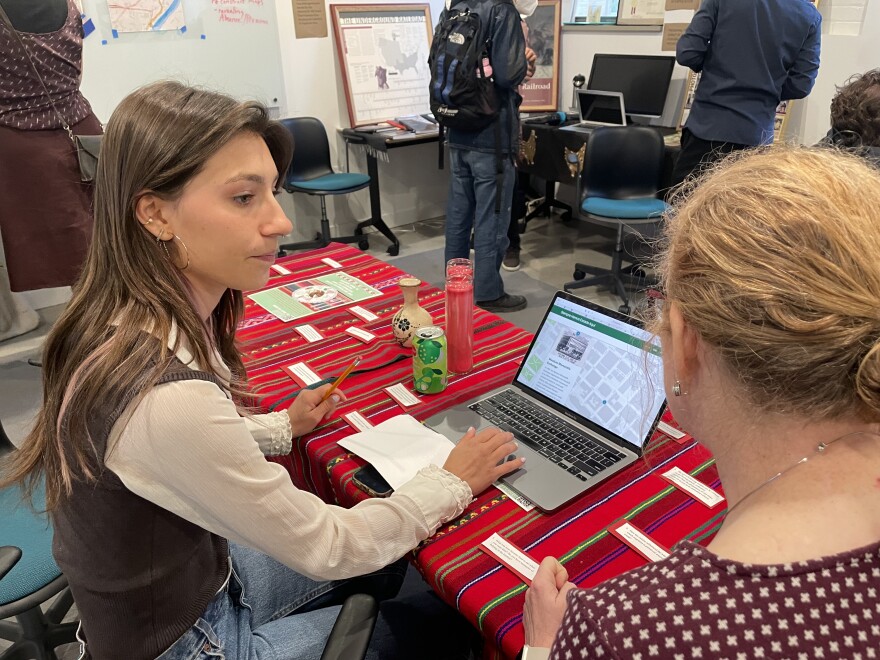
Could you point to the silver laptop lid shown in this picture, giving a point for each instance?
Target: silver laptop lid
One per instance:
(598, 367)
(599, 108)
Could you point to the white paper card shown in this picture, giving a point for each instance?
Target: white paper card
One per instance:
(641, 543)
(363, 335)
(670, 430)
(399, 447)
(362, 312)
(330, 262)
(281, 270)
(358, 421)
(513, 496)
(511, 556)
(693, 487)
(309, 332)
(306, 375)
(402, 395)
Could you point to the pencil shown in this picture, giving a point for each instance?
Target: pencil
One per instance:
(341, 378)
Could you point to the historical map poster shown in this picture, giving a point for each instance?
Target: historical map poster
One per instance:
(145, 15)
(383, 51)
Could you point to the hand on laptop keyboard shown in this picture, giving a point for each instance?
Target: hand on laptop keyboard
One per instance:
(479, 458)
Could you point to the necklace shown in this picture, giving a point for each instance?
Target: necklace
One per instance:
(819, 450)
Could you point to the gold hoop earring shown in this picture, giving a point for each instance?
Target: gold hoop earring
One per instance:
(187, 253)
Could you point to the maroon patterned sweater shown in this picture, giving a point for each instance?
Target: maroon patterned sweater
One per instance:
(695, 605)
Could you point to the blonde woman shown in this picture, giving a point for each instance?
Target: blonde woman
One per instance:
(177, 538)
(771, 347)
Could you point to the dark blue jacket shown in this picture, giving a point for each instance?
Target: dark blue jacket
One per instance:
(752, 55)
(507, 53)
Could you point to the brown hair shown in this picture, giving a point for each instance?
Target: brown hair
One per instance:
(772, 259)
(855, 111)
(157, 140)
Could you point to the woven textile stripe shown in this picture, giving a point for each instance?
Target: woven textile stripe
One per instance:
(488, 595)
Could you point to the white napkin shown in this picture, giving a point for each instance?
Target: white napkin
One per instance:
(399, 447)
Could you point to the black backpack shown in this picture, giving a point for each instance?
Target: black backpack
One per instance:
(462, 96)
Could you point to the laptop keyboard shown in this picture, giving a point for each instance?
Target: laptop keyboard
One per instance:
(563, 444)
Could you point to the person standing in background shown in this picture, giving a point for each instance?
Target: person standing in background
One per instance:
(752, 54)
(855, 116)
(46, 220)
(476, 158)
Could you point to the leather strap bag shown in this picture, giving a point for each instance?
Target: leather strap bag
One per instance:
(88, 147)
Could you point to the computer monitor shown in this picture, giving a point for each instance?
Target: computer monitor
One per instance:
(642, 79)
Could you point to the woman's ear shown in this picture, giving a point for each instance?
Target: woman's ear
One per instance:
(686, 357)
(151, 212)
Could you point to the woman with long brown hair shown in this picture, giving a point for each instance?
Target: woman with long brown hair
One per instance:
(177, 538)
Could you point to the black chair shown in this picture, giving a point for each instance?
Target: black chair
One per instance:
(310, 172)
(618, 186)
(29, 577)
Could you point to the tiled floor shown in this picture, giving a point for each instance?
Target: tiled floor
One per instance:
(549, 251)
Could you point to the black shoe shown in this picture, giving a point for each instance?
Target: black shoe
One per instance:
(506, 303)
(511, 261)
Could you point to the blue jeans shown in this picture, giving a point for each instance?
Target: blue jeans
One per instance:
(471, 203)
(270, 612)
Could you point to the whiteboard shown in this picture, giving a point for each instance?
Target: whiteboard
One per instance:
(230, 46)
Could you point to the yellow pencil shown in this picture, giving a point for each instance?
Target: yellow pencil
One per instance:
(341, 378)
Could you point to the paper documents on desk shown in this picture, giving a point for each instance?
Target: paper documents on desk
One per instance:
(399, 447)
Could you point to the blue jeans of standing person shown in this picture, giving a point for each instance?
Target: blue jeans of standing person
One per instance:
(471, 203)
(268, 611)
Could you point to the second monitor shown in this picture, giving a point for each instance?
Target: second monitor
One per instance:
(642, 79)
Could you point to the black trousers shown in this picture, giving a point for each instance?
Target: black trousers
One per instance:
(517, 210)
(697, 154)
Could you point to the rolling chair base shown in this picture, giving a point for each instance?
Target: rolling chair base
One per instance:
(621, 278)
(36, 635)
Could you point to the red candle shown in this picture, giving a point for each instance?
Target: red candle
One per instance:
(460, 315)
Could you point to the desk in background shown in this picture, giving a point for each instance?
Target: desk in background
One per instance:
(374, 145)
(488, 595)
(557, 156)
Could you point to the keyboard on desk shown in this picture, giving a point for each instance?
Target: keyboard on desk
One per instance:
(561, 443)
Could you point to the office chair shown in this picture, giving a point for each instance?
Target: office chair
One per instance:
(310, 172)
(29, 577)
(618, 186)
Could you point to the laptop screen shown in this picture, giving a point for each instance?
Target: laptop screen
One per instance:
(593, 362)
(601, 108)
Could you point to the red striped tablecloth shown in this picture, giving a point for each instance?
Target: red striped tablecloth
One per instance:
(489, 595)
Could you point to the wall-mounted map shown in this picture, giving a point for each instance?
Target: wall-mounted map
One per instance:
(145, 15)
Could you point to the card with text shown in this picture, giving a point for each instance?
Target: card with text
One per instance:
(402, 395)
(281, 270)
(638, 540)
(676, 434)
(511, 556)
(309, 333)
(362, 312)
(361, 334)
(693, 487)
(332, 263)
(357, 421)
(301, 373)
(513, 496)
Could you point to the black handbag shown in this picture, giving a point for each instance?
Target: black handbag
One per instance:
(88, 147)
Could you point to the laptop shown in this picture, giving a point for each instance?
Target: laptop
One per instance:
(583, 404)
(598, 108)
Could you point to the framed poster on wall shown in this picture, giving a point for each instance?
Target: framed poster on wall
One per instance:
(641, 12)
(383, 55)
(541, 93)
